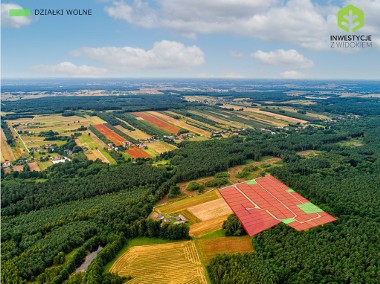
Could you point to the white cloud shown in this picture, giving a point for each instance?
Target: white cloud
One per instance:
(289, 58)
(164, 55)
(236, 54)
(13, 22)
(291, 74)
(71, 70)
(296, 21)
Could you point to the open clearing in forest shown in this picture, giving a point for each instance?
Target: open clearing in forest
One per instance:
(174, 263)
(210, 248)
(265, 202)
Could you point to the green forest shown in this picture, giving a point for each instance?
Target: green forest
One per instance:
(343, 181)
(51, 219)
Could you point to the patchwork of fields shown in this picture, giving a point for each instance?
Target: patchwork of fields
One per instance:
(139, 134)
(206, 212)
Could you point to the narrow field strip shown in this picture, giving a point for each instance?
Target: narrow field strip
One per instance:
(157, 122)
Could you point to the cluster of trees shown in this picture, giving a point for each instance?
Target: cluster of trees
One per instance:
(344, 182)
(233, 227)
(219, 180)
(48, 133)
(205, 158)
(354, 105)
(81, 200)
(61, 104)
(246, 172)
(75, 181)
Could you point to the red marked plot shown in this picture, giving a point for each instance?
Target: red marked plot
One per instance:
(268, 202)
(115, 138)
(157, 122)
(136, 152)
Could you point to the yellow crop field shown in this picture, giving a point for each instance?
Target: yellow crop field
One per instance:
(34, 167)
(187, 202)
(6, 151)
(275, 115)
(161, 147)
(203, 228)
(58, 123)
(174, 263)
(135, 134)
(224, 245)
(64, 125)
(210, 210)
(219, 120)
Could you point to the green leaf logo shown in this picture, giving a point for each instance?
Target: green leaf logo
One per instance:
(350, 18)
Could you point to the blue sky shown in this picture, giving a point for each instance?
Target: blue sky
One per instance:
(187, 38)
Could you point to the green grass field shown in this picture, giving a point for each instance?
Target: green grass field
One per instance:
(87, 141)
(216, 234)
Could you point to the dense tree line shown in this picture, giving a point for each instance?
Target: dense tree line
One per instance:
(109, 118)
(60, 104)
(354, 105)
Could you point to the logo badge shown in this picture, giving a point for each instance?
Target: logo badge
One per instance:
(350, 18)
